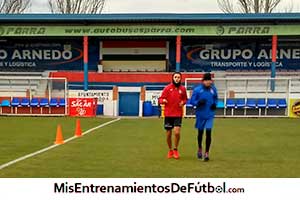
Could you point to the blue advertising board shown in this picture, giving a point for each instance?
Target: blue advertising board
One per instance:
(49, 54)
(236, 55)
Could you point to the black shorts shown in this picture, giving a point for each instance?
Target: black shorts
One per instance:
(170, 122)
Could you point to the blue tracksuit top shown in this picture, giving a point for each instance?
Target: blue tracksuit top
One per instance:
(210, 96)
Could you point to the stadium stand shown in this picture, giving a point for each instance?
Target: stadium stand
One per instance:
(146, 61)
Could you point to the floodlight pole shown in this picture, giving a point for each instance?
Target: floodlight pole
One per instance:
(273, 64)
(85, 62)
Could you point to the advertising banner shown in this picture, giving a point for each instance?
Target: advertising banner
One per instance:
(46, 55)
(294, 110)
(40, 55)
(238, 55)
(100, 95)
(82, 107)
(150, 30)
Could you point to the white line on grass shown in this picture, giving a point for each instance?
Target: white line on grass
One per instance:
(55, 145)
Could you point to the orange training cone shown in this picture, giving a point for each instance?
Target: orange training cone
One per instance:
(78, 132)
(59, 135)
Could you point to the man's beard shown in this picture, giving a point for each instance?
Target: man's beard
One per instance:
(176, 84)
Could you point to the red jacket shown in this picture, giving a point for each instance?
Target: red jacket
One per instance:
(173, 96)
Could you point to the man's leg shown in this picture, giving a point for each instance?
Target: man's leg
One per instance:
(168, 127)
(208, 127)
(208, 140)
(169, 139)
(207, 144)
(177, 136)
(200, 136)
(200, 125)
(169, 142)
(177, 127)
(176, 141)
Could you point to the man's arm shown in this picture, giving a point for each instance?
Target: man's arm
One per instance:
(195, 97)
(215, 99)
(184, 97)
(216, 95)
(163, 98)
(196, 100)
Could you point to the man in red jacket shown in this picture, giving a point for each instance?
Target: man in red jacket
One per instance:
(173, 98)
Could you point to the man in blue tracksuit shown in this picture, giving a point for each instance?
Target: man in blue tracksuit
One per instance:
(204, 98)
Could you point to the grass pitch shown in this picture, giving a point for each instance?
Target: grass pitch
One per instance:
(137, 148)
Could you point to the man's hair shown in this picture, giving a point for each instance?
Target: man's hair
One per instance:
(176, 73)
(207, 77)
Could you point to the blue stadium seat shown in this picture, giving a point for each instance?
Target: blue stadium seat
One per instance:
(25, 102)
(5, 103)
(62, 102)
(44, 102)
(240, 103)
(272, 103)
(15, 102)
(53, 102)
(282, 103)
(251, 103)
(261, 103)
(230, 103)
(220, 104)
(34, 102)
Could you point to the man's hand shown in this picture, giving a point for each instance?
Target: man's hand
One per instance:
(165, 101)
(201, 102)
(213, 107)
(181, 103)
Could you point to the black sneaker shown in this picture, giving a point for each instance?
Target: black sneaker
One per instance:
(206, 157)
(199, 154)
